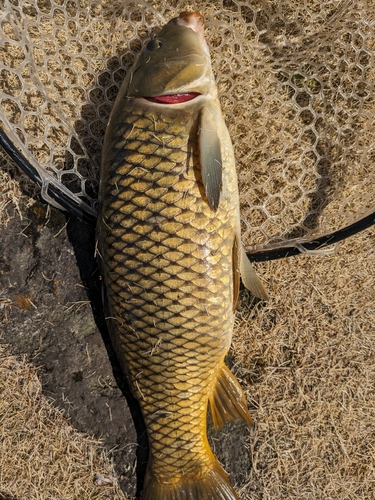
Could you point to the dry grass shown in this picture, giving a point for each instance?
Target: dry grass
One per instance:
(307, 362)
(10, 196)
(41, 455)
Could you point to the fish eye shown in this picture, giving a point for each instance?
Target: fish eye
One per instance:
(153, 44)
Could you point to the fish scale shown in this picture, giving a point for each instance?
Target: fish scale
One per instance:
(168, 282)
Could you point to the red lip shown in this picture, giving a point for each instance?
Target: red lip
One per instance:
(173, 98)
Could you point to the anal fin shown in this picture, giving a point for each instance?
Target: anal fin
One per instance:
(227, 401)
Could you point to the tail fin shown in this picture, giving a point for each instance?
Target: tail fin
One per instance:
(227, 400)
(214, 485)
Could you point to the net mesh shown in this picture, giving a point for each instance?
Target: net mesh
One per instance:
(296, 84)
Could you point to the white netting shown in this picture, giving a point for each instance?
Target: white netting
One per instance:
(296, 83)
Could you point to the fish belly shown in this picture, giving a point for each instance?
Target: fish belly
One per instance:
(167, 265)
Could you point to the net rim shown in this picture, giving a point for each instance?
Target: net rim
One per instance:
(53, 192)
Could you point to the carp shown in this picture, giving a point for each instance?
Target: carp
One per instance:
(169, 245)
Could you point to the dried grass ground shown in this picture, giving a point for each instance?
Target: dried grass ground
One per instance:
(41, 455)
(306, 361)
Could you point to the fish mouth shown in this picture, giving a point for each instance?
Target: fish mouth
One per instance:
(192, 20)
(173, 98)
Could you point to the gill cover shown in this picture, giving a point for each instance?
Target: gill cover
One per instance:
(174, 61)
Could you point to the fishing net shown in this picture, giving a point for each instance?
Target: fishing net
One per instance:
(296, 84)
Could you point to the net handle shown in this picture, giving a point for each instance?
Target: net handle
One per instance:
(315, 246)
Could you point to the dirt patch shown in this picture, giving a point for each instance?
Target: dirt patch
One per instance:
(48, 317)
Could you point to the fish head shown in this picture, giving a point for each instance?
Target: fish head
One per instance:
(176, 61)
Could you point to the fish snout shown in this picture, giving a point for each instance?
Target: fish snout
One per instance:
(192, 20)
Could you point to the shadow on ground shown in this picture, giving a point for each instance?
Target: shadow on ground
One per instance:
(82, 239)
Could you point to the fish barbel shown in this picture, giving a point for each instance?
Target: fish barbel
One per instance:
(170, 252)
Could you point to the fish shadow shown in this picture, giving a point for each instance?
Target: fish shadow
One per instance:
(82, 239)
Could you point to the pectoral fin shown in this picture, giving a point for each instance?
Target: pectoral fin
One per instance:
(250, 279)
(210, 155)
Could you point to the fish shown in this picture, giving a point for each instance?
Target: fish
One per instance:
(171, 258)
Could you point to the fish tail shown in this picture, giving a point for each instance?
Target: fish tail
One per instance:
(214, 485)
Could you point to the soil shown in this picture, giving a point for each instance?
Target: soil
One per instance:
(52, 314)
